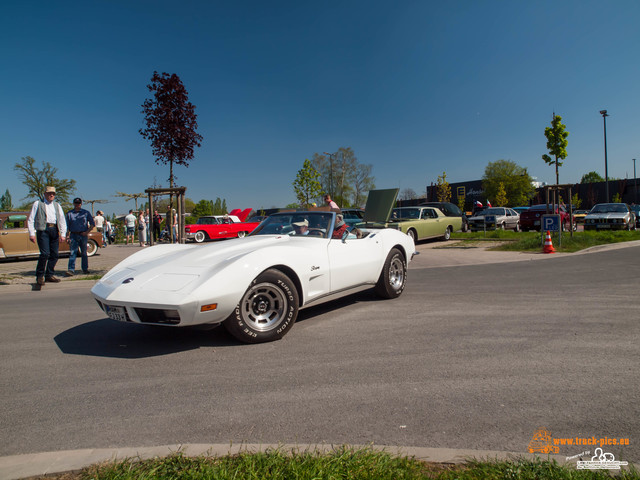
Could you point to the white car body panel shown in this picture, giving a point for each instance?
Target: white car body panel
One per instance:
(183, 278)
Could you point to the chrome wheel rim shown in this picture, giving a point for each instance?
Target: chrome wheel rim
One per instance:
(263, 307)
(199, 237)
(241, 234)
(396, 273)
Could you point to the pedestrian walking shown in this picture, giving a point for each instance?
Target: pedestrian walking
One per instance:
(79, 224)
(142, 229)
(130, 226)
(47, 227)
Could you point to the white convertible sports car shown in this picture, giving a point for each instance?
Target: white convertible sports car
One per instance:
(255, 285)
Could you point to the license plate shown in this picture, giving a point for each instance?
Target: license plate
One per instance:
(116, 313)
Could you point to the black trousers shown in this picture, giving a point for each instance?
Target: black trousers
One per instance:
(48, 243)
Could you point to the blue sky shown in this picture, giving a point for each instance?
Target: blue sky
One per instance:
(415, 88)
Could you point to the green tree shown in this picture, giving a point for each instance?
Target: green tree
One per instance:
(171, 122)
(36, 180)
(576, 201)
(343, 177)
(556, 143)
(202, 208)
(443, 189)
(617, 198)
(6, 205)
(307, 185)
(515, 180)
(591, 177)
(501, 196)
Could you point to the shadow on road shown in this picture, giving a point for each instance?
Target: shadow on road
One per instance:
(108, 338)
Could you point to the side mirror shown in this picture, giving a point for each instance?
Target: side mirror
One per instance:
(345, 234)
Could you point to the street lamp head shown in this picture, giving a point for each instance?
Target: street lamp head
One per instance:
(603, 113)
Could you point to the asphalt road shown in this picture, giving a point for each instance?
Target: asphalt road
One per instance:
(473, 357)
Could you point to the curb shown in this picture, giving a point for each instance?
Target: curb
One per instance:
(48, 463)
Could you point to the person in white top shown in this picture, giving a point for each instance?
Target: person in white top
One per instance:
(100, 226)
(47, 227)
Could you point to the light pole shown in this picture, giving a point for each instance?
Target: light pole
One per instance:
(331, 155)
(606, 167)
(635, 183)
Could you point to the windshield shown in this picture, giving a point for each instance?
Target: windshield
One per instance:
(207, 221)
(304, 224)
(610, 208)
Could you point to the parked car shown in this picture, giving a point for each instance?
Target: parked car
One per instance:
(610, 216)
(506, 218)
(636, 211)
(450, 210)
(421, 223)
(352, 216)
(15, 242)
(254, 286)
(579, 215)
(520, 209)
(530, 220)
(212, 227)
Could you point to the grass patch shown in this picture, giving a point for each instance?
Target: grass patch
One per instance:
(530, 241)
(342, 463)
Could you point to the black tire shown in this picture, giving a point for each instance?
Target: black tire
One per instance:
(517, 229)
(447, 234)
(502, 226)
(393, 277)
(267, 310)
(200, 236)
(414, 236)
(92, 247)
(241, 234)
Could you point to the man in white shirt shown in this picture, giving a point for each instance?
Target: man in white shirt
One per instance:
(47, 227)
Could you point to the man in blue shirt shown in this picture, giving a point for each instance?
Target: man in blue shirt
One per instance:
(79, 224)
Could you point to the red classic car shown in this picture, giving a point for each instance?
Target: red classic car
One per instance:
(221, 226)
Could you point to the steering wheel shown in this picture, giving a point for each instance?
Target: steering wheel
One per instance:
(316, 232)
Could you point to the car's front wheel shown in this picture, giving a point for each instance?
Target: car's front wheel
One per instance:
(447, 234)
(92, 247)
(200, 236)
(414, 236)
(267, 310)
(517, 227)
(241, 234)
(393, 276)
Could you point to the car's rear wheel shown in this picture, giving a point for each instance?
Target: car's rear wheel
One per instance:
(92, 247)
(200, 236)
(241, 234)
(502, 226)
(414, 236)
(267, 310)
(447, 234)
(393, 276)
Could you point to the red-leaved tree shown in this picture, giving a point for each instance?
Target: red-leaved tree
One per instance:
(171, 122)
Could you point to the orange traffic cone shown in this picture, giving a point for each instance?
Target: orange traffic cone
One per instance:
(548, 246)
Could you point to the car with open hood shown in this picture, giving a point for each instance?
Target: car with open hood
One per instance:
(418, 222)
(256, 285)
(212, 227)
(610, 216)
